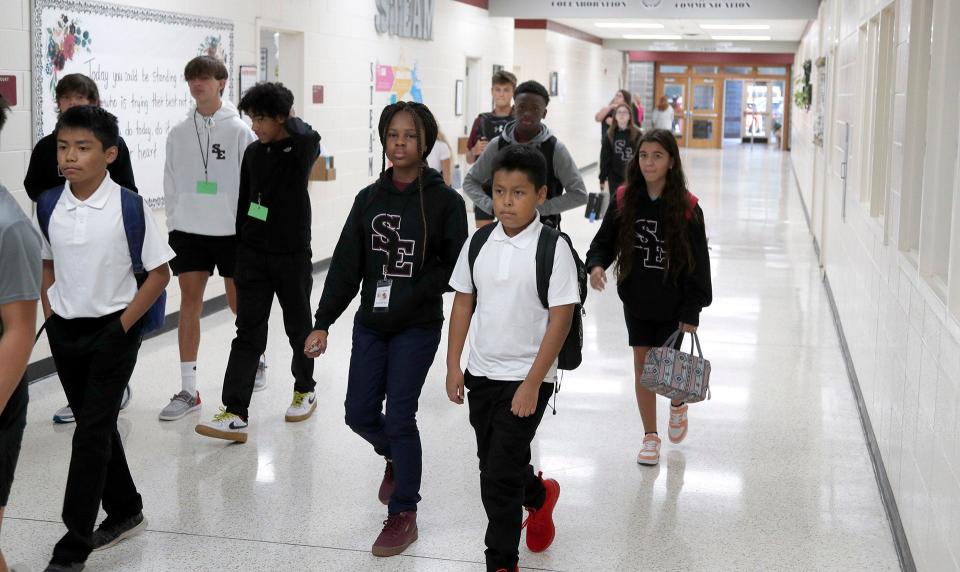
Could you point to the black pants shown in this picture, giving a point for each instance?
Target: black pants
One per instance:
(258, 276)
(13, 421)
(94, 359)
(507, 481)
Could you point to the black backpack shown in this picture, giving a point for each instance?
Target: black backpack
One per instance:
(571, 354)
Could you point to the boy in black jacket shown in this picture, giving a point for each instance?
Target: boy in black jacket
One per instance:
(43, 173)
(398, 246)
(273, 256)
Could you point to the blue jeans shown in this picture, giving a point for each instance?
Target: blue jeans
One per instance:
(392, 366)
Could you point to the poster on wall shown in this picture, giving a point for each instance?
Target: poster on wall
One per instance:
(136, 56)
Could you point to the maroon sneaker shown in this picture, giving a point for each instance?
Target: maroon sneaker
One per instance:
(515, 569)
(540, 529)
(399, 532)
(386, 485)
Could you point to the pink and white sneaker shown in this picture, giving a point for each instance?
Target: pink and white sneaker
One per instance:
(678, 423)
(650, 453)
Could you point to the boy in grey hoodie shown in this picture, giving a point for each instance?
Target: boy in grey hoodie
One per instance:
(565, 187)
(201, 180)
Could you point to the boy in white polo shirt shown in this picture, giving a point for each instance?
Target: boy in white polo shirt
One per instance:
(514, 344)
(94, 309)
(201, 184)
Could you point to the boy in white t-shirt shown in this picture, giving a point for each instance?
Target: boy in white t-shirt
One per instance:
(514, 344)
(94, 308)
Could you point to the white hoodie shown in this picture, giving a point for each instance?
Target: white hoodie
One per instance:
(187, 145)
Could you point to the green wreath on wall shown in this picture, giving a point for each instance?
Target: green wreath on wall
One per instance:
(802, 88)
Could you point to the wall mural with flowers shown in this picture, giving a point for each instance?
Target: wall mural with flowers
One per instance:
(136, 56)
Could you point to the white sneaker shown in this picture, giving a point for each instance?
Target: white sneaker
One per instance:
(260, 382)
(127, 396)
(63, 415)
(650, 453)
(227, 426)
(302, 406)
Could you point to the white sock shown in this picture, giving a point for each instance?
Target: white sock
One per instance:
(188, 376)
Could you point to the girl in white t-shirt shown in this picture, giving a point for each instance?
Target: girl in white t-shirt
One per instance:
(441, 159)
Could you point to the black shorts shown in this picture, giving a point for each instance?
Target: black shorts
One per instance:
(198, 253)
(12, 423)
(650, 333)
(480, 214)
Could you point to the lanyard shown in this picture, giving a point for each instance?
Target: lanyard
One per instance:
(204, 155)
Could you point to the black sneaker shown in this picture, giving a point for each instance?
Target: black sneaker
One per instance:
(74, 567)
(107, 534)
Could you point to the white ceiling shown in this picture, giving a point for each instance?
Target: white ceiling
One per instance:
(779, 31)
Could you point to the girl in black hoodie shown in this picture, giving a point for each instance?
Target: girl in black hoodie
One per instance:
(399, 246)
(617, 150)
(658, 240)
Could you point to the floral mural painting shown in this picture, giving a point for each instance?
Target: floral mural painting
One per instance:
(212, 46)
(64, 40)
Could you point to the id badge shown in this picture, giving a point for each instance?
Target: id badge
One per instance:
(381, 300)
(258, 212)
(206, 187)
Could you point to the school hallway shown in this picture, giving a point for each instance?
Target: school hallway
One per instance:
(775, 472)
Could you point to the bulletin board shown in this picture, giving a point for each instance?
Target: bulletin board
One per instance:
(136, 56)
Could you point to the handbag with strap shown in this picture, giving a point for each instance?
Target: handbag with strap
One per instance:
(675, 374)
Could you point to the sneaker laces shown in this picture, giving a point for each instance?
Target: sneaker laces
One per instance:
(650, 445)
(298, 398)
(182, 396)
(394, 523)
(676, 418)
(223, 415)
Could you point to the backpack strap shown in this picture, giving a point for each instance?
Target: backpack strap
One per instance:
(546, 249)
(46, 203)
(621, 191)
(477, 241)
(135, 227)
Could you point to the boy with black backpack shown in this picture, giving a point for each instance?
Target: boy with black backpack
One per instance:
(565, 187)
(99, 298)
(519, 287)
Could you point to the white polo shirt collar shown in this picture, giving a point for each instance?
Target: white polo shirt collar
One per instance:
(521, 240)
(97, 200)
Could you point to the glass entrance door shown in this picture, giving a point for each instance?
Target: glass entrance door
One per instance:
(675, 91)
(756, 112)
(704, 115)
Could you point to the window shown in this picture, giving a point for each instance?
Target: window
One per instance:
(672, 69)
(739, 70)
(876, 112)
(772, 71)
(706, 70)
(937, 262)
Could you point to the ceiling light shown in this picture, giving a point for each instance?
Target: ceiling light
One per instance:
(743, 38)
(652, 37)
(630, 25)
(734, 27)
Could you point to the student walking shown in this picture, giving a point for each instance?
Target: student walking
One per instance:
(606, 115)
(94, 308)
(514, 344)
(659, 243)
(201, 182)
(273, 257)
(617, 151)
(663, 115)
(565, 187)
(398, 247)
(489, 125)
(43, 173)
(19, 292)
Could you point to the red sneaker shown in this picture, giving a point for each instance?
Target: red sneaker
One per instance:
(515, 569)
(386, 485)
(399, 532)
(540, 528)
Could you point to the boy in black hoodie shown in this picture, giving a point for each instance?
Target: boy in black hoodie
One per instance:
(273, 256)
(398, 246)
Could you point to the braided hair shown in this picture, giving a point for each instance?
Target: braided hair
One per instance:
(425, 125)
